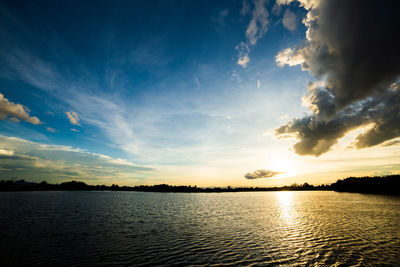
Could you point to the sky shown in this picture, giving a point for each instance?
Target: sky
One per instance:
(206, 93)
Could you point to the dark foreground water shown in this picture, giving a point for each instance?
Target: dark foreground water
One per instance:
(254, 228)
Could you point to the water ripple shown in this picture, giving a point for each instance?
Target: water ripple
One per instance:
(251, 229)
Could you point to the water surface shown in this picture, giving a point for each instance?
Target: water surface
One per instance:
(252, 228)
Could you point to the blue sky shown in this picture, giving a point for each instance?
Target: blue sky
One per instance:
(150, 91)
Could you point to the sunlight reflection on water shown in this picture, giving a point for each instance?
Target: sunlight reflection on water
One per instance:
(257, 228)
(286, 206)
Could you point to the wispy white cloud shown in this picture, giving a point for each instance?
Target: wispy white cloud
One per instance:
(151, 53)
(30, 69)
(284, 118)
(259, 22)
(243, 60)
(289, 20)
(15, 112)
(276, 9)
(221, 18)
(164, 128)
(52, 130)
(73, 117)
(49, 147)
(284, 2)
(196, 81)
(245, 8)
(257, 27)
(31, 160)
(243, 54)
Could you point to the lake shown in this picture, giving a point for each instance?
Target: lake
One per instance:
(252, 228)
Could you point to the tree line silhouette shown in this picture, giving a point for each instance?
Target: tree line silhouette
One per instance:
(376, 185)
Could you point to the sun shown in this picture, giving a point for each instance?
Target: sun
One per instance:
(284, 165)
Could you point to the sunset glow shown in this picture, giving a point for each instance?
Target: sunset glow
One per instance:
(212, 93)
(199, 133)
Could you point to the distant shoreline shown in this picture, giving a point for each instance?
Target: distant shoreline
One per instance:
(373, 185)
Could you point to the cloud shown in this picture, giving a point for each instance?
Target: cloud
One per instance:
(24, 66)
(257, 27)
(284, 2)
(259, 22)
(73, 117)
(245, 8)
(75, 130)
(55, 147)
(37, 161)
(6, 152)
(307, 4)
(223, 14)
(258, 83)
(392, 143)
(317, 133)
(15, 112)
(52, 130)
(85, 95)
(289, 20)
(290, 57)
(354, 57)
(197, 81)
(144, 129)
(284, 117)
(261, 174)
(276, 9)
(150, 53)
(243, 54)
(243, 60)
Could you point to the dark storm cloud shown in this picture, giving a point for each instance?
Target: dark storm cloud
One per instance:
(392, 143)
(353, 46)
(261, 174)
(317, 135)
